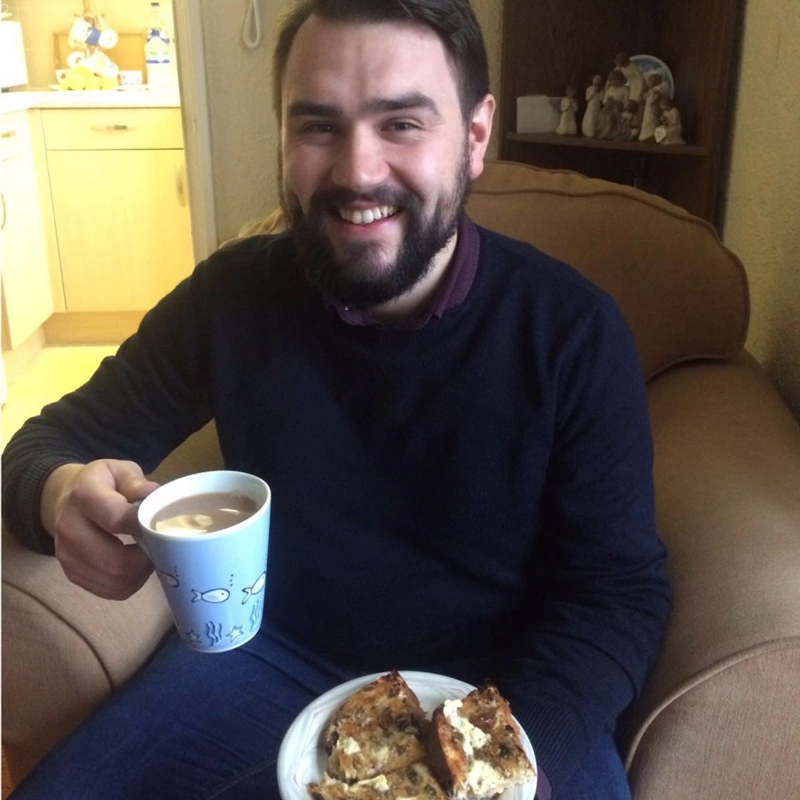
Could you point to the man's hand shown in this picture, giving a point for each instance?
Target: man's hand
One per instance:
(83, 506)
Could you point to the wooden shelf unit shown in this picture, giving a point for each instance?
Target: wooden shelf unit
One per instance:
(551, 44)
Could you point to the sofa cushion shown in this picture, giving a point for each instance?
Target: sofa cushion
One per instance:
(683, 293)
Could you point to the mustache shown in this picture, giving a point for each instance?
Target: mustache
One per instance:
(336, 197)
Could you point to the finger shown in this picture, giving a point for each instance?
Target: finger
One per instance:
(99, 562)
(103, 495)
(101, 505)
(129, 480)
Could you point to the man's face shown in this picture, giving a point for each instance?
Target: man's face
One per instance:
(377, 157)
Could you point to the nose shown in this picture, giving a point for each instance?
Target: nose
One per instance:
(361, 161)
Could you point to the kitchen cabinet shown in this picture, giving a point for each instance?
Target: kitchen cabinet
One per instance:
(27, 294)
(549, 45)
(117, 180)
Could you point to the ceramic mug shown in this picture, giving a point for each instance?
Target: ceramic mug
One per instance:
(214, 582)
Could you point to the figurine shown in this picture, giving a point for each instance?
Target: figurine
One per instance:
(567, 125)
(614, 101)
(594, 97)
(629, 121)
(633, 76)
(650, 118)
(671, 129)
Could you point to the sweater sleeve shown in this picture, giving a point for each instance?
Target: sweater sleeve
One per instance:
(602, 591)
(138, 406)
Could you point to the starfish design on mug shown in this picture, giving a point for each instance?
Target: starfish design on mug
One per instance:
(236, 633)
(193, 637)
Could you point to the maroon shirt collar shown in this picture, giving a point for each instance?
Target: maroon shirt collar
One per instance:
(452, 291)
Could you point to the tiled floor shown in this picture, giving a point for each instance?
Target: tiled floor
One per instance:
(52, 373)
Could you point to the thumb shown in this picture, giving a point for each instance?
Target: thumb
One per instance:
(130, 481)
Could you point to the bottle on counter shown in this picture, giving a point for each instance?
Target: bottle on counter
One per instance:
(158, 54)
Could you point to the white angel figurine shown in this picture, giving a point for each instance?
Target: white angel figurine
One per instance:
(633, 76)
(567, 126)
(652, 113)
(671, 123)
(594, 97)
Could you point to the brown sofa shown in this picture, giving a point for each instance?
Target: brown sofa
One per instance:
(720, 715)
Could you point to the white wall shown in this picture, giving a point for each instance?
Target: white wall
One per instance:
(244, 133)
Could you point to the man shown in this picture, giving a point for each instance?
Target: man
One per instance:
(453, 426)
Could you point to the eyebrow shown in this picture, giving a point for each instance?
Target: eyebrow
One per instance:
(405, 102)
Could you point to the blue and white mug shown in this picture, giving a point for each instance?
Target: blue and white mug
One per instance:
(214, 582)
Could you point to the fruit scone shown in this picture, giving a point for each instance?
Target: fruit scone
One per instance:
(377, 730)
(414, 782)
(474, 747)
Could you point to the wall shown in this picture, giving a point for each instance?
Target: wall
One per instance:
(244, 133)
(40, 19)
(762, 224)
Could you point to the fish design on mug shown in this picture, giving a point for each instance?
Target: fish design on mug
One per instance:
(169, 580)
(212, 596)
(255, 588)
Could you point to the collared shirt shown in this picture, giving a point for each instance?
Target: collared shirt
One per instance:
(451, 292)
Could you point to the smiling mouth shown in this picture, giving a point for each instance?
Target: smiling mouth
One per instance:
(364, 216)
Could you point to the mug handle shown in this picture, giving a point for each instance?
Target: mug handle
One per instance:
(138, 538)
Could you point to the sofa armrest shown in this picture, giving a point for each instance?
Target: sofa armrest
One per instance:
(720, 715)
(64, 650)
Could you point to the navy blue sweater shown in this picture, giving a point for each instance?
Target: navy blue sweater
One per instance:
(474, 497)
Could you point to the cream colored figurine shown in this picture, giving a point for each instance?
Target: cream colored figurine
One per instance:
(567, 125)
(650, 118)
(594, 98)
(671, 129)
(633, 76)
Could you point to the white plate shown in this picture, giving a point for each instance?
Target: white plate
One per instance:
(301, 759)
(650, 64)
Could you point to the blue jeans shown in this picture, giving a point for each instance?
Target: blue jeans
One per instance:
(193, 726)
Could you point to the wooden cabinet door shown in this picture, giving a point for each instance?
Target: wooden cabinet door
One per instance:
(27, 295)
(122, 220)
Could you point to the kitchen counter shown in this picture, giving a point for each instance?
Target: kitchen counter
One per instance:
(20, 100)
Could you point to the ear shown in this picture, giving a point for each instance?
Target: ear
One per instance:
(480, 129)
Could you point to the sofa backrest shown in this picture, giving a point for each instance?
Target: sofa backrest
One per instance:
(684, 294)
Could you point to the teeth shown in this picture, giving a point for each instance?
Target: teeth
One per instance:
(358, 217)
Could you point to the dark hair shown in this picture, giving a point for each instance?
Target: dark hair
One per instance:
(453, 21)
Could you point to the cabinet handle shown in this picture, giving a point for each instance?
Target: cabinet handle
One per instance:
(3, 201)
(112, 128)
(8, 134)
(180, 186)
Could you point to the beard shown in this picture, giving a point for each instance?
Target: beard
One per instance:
(359, 277)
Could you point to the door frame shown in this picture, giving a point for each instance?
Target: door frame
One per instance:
(196, 125)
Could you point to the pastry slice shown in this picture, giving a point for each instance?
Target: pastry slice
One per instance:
(414, 782)
(377, 730)
(474, 747)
